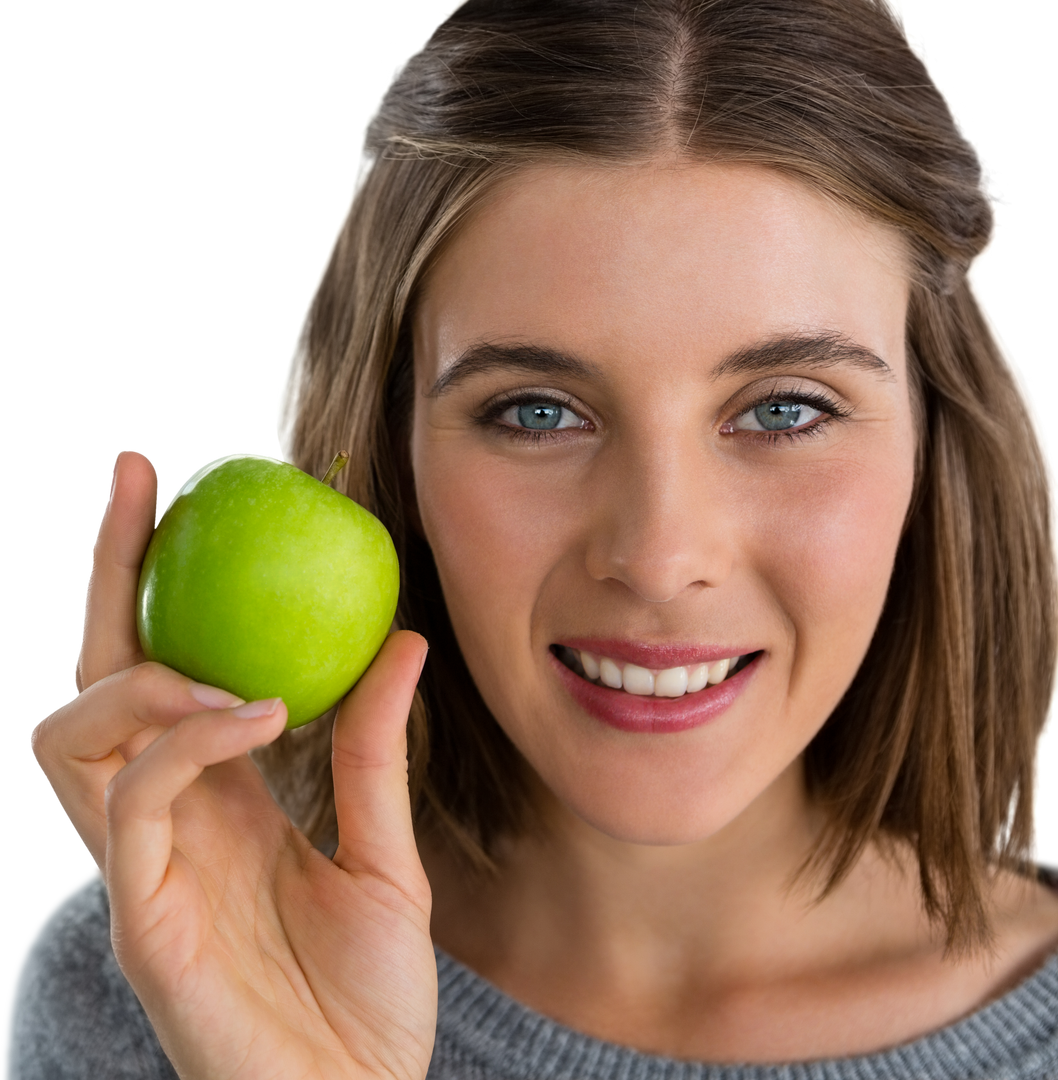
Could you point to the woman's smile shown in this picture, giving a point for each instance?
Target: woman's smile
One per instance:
(667, 671)
(666, 406)
(635, 698)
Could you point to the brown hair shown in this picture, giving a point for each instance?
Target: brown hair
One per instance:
(934, 740)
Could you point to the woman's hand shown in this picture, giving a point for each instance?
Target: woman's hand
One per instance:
(254, 955)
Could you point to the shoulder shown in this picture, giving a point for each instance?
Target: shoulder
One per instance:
(76, 1015)
(1025, 919)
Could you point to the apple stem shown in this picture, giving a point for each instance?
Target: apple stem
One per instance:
(336, 466)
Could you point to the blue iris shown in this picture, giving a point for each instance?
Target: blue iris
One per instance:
(539, 417)
(778, 415)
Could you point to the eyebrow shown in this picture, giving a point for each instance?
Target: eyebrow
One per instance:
(825, 350)
(532, 359)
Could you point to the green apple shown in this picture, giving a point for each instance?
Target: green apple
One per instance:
(269, 583)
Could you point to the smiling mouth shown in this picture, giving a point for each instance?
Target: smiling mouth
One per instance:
(671, 682)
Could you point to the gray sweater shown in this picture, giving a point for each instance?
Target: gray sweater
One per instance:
(78, 1019)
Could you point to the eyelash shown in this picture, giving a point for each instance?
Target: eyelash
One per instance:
(831, 411)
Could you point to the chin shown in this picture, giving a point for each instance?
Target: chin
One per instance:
(651, 813)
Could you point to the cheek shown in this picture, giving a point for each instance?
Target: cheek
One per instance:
(495, 534)
(825, 542)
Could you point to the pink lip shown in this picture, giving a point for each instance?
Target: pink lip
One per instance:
(653, 715)
(657, 657)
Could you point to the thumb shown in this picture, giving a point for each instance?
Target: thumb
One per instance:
(369, 760)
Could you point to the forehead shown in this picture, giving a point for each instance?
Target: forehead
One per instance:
(698, 260)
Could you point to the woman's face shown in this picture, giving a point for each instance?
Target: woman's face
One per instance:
(662, 421)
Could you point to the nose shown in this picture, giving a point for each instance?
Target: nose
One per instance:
(661, 523)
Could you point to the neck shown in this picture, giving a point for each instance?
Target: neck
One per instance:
(570, 897)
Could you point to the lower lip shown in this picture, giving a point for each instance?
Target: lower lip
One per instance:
(649, 714)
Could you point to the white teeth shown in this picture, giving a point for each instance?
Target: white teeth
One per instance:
(697, 677)
(610, 673)
(637, 680)
(670, 683)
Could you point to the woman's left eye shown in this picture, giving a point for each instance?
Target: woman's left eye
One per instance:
(541, 416)
(776, 416)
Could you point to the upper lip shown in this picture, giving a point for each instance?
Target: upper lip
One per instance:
(655, 657)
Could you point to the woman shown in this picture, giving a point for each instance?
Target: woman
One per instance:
(650, 336)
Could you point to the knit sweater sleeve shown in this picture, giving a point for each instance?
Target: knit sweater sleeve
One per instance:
(69, 1013)
(77, 1018)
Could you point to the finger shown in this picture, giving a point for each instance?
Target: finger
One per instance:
(370, 761)
(114, 710)
(140, 797)
(83, 745)
(110, 641)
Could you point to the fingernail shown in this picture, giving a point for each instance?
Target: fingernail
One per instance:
(212, 696)
(422, 662)
(253, 709)
(113, 480)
